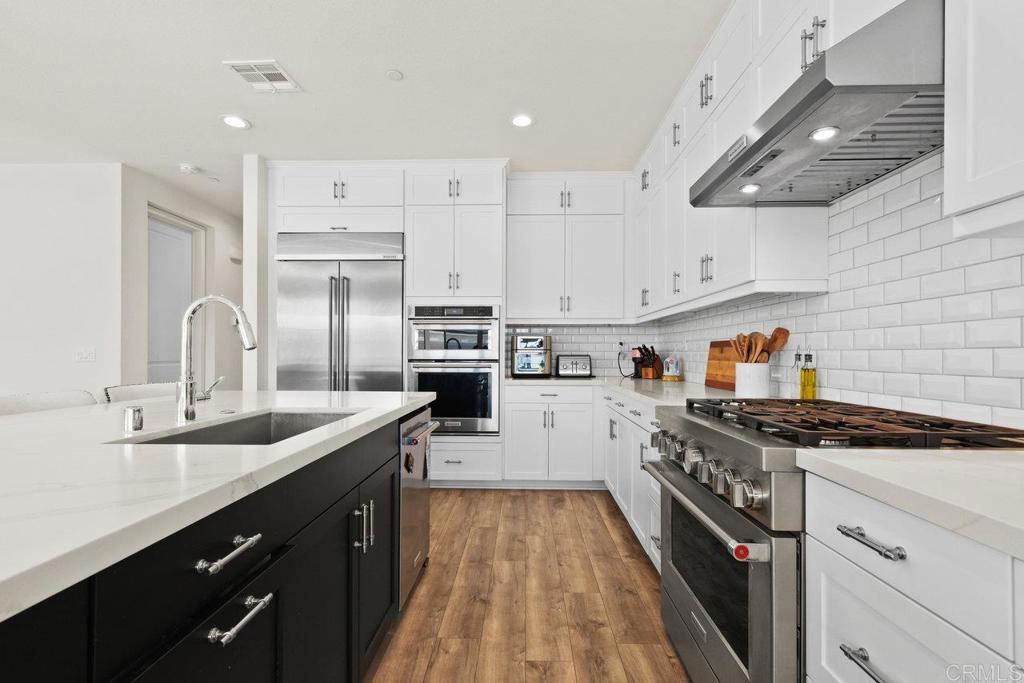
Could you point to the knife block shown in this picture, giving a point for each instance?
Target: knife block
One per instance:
(654, 371)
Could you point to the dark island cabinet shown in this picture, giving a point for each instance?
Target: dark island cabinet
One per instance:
(311, 599)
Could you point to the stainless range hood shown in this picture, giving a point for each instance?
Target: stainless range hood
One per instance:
(881, 87)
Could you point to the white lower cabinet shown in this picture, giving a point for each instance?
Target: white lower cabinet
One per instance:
(549, 441)
(607, 435)
(859, 629)
(463, 460)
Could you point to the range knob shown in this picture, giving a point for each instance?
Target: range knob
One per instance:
(693, 456)
(706, 470)
(746, 494)
(723, 479)
(659, 440)
(676, 448)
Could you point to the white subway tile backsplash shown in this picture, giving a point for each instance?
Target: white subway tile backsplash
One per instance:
(921, 262)
(854, 237)
(942, 387)
(1000, 332)
(869, 339)
(1009, 362)
(922, 361)
(1003, 247)
(855, 360)
(883, 227)
(856, 277)
(873, 295)
(879, 188)
(993, 275)
(944, 336)
(840, 340)
(967, 306)
(840, 222)
(922, 213)
(903, 290)
(885, 361)
(903, 337)
(869, 381)
(840, 379)
(923, 406)
(904, 195)
(992, 391)
(828, 322)
(884, 271)
(942, 284)
(884, 316)
(922, 312)
(1008, 302)
(966, 411)
(921, 168)
(852, 200)
(855, 319)
(904, 243)
(840, 261)
(937, 234)
(966, 252)
(1008, 417)
(966, 361)
(869, 253)
(931, 184)
(868, 211)
(902, 384)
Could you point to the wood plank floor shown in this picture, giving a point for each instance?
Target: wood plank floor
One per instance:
(531, 586)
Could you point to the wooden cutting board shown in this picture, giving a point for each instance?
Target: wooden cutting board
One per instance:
(721, 370)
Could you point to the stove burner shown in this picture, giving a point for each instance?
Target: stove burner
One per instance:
(833, 424)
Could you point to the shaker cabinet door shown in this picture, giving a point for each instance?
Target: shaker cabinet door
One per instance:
(535, 272)
(430, 249)
(570, 442)
(594, 266)
(478, 232)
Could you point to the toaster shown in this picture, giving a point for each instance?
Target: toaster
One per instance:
(574, 365)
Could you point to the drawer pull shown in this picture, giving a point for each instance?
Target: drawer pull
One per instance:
(241, 544)
(549, 394)
(860, 658)
(657, 541)
(607, 398)
(621, 405)
(857, 533)
(635, 412)
(452, 462)
(254, 605)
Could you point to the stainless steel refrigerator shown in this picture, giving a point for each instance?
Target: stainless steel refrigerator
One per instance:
(339, 311)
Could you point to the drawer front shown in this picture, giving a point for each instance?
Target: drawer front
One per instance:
(903, 641)
(355, 219)
(937, 561)
(142, 601)
(465, 462)
(552, 394)
(640, 414)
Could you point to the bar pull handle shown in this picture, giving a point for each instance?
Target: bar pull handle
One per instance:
(568, 199)
(453, 462)
(561, 199)
(342, 189)
(817, 25)
(804, 37)
(449, 187)
(332, 306)
(858, 534)
(552, 419)
(545, 423)
(860, 657)
(241, 544)
(336, 189)
(373, 536)
(450, 286)
(254, 605)
(458, 187)
(675, 134)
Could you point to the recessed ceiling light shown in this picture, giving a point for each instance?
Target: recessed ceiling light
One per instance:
(395, 74)
(824, 133)
(521, 121)
(235, 121)
(749, 188)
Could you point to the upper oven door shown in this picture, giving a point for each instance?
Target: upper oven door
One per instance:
(734, 584)
(452, 339)
(467, 394)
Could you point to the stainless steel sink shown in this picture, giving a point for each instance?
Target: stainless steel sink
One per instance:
(258, 430)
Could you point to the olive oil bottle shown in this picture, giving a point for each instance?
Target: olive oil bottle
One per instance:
(808, 379)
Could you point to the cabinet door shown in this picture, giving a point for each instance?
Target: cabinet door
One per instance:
(50, 641)
(657, 259)
(984, 161)
(730, 52)
(526, 448)
(843, 18)
(594, 194)
(673, 130)
(253, 654)
(593, 266)
(778, 62)
(694, 108)
(639, 484)
(429, 186)
(372, 187)
(311, 186)
(642, 260)
(318, 618)
(478, 232)
(535, 267)
(656, 161)
(734, 115)
(672, 261)
(478, 184)
(624, 462)
(571, 442)
(378, 562)
(430, 250)
(536, 195)
(607, 437)
(699, 223)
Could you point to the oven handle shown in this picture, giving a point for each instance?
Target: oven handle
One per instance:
(739, 550)
(428, 366)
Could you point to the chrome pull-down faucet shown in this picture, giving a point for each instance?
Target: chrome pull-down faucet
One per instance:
(187, 385)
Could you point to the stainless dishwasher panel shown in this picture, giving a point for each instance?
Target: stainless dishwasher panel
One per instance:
(415, 503)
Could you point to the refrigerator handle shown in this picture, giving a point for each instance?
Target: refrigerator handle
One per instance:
(343, 333)
(332, 303)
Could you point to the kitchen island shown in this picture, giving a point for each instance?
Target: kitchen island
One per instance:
(112, 534)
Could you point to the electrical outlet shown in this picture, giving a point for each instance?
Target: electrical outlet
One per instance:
(85, 354)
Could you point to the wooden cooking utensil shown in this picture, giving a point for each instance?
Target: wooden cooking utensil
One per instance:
(780, 335)
(757, 343)
(743, 342)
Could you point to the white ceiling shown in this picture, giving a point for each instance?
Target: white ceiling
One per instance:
(141, 81)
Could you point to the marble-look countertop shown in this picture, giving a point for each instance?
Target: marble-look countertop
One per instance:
(72, 503)
(651, 391)
(975, 493)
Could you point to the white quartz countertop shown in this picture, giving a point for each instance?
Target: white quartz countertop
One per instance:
(72, 504)
(975, 493)
(651, 391)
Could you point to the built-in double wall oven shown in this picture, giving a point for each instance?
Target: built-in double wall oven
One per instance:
(455, 351)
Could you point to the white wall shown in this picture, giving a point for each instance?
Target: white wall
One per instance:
(223, 234)
(60, 276)
(913, 319)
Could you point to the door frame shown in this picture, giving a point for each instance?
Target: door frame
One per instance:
(204, 355)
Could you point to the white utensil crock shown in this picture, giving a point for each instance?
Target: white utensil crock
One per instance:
(752, 380)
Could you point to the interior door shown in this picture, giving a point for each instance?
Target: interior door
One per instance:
(526, 455)
(535, 267)
(430, 250)
(371, 324)
(594, 266)
(571, 442)
(170, 293)
(478, 250)
(478, 184)
(306, 332)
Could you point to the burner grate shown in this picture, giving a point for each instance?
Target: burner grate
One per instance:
(832, 424)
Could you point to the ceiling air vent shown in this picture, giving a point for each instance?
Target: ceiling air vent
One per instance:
(264, 75)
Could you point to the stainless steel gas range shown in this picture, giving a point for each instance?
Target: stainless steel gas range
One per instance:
(732, 513)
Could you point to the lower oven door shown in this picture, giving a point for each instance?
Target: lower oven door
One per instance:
(467, 394)
(734, 584)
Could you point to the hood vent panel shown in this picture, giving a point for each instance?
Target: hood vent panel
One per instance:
(881, 87)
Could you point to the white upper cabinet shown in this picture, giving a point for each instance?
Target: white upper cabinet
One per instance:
(453, 251)
(370, 186)
(984, 158)
(843, 17)
(729, 51)
(338, 186)
(670, 252)
(464, 183)
(535, 272)
(674, 130)
(307, 186)
(657, 294)
(593, 266)
(574, 193)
